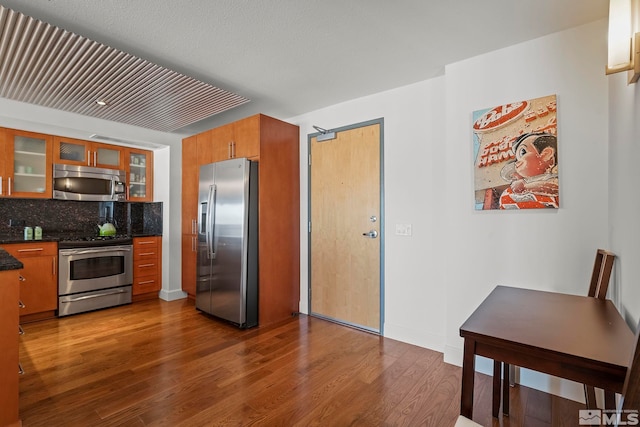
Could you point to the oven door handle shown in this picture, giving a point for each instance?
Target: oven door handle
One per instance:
(103, 294)
(94, 251)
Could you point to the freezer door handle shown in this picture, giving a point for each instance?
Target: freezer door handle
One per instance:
(211, 221)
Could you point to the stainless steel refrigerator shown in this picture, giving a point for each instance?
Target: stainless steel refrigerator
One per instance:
(227, 276)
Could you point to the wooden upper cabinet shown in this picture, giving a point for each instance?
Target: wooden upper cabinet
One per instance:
(78, 152)
(71, 151)
(246, 138)
(205, 152)
(139, 168)
(108, 156)
(25, 167)
(231, 141)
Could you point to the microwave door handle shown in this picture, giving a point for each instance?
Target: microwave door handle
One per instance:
(113, 188)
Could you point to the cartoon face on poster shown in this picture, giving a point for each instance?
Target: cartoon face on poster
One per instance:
(516, 155)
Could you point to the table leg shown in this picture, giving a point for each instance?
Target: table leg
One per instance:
(468, 373)
(495, 399)
(609, 400)
(506, 383)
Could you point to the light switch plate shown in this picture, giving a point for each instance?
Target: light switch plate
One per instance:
(403, 229)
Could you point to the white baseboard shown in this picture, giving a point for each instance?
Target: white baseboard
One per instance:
(172, 295)
(415, 337)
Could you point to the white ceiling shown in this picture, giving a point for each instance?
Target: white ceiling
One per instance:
(294, 56)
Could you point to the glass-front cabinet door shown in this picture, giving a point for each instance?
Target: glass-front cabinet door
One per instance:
(27, 164)
(71, 151)
(88, 153)
(108, 156)
(140, 174)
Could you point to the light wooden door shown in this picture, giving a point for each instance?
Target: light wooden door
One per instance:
(345, 230)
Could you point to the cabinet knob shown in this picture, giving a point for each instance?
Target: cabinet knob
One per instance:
(21, 304)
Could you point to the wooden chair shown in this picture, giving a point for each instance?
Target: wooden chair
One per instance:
(631, 389)
(598, 287)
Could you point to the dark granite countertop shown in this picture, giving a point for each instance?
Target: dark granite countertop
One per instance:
(145, 234)
(19, 239)
(7, 239)
(7, 262)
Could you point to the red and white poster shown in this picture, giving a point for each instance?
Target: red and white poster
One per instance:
(516, 155)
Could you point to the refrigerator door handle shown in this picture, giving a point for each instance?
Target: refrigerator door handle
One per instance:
(211, 221)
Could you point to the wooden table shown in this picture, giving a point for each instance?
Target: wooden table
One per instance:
(579, 338)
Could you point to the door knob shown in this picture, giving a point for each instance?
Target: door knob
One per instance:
(371, 234)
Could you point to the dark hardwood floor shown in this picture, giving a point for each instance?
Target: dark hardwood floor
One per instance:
(164, 364)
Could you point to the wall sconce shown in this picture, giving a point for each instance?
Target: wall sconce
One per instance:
(624, 42)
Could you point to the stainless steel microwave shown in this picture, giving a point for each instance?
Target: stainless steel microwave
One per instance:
(88, 183)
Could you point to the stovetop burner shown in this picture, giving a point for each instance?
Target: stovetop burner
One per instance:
(92, 241)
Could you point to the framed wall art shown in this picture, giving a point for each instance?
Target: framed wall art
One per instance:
(516, 155)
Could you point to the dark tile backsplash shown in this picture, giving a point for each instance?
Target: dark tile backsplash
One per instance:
(69, 217)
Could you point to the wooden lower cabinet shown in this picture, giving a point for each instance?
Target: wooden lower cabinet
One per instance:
(9, 359)
(39, 289)
(189, 263)
(275, 145)
(147, 267)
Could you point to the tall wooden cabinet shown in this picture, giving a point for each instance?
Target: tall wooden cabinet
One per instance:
(190, 165)
(275, 145)
(9, 359)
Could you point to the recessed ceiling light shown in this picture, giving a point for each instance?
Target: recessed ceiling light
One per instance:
(101, 102)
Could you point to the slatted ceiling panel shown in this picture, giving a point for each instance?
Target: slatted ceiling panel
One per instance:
(45, 65)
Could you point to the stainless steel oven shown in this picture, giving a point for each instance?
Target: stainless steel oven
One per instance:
(94, 276)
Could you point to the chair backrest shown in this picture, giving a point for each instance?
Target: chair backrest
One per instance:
(631, 390)
(601, 274)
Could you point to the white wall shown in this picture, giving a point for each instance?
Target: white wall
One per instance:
(414, 309)
(624, 199)
(456, 256)
(548, 250)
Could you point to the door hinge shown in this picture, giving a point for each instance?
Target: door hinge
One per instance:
(309, 159)
(309, 227)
